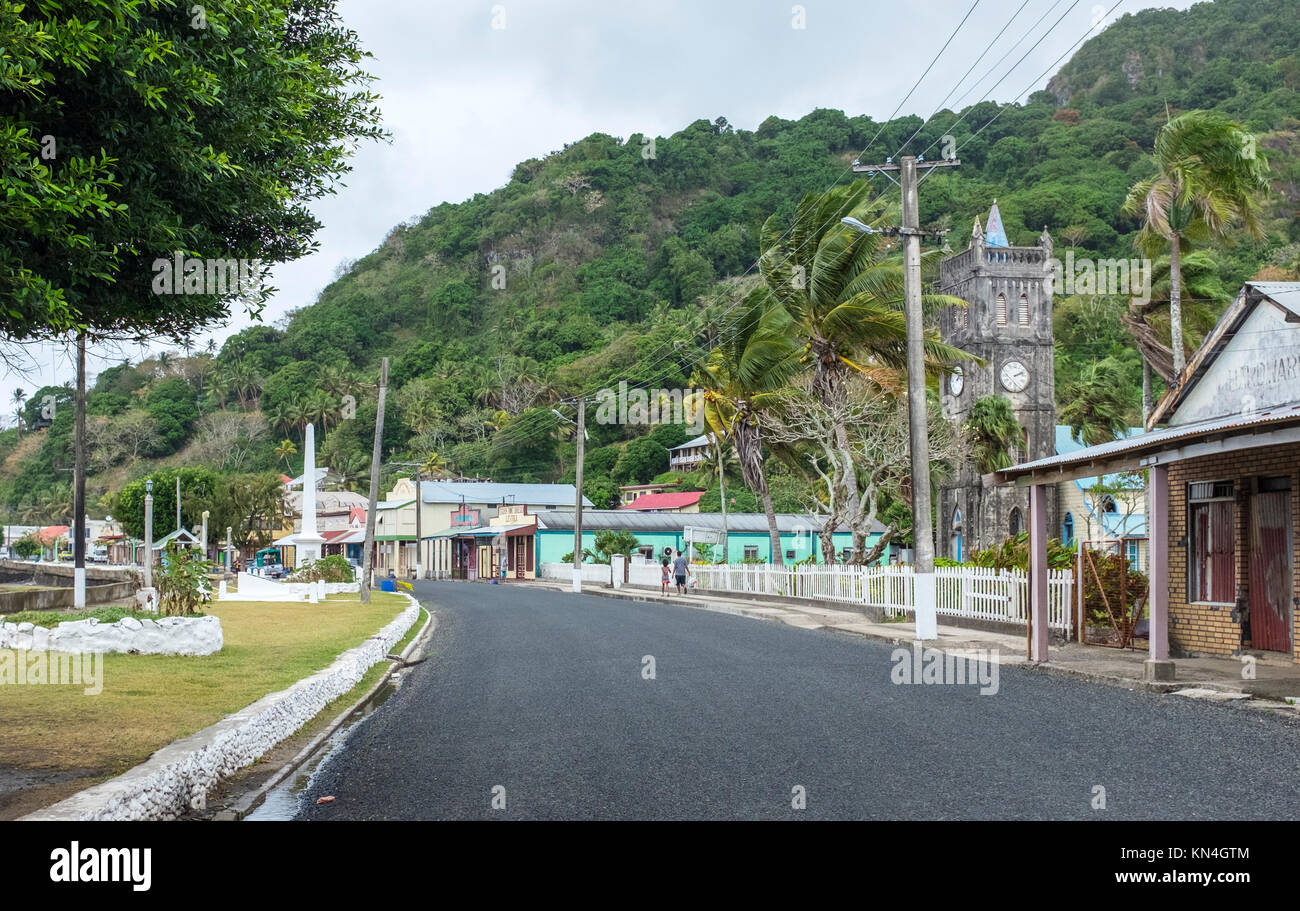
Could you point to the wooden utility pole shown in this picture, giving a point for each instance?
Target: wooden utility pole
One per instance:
(79, 481)
(919, 436)
(368, 548)
(577, 514)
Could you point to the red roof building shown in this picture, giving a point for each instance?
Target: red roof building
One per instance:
(666, 502)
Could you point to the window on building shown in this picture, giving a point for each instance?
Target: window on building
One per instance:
(965, 317)
(1107, 504)
(789, 555)
(1002, 309)
(1023, 312)
(1131, 552)
(751, 551)
(1016, 522)
(1211, 562)
(1067, 529)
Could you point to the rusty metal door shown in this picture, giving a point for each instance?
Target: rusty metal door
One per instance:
(1270, 571)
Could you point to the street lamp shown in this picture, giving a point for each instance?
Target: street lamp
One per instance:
(857, 225)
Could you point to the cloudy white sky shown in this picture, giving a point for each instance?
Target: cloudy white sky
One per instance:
(471, 88)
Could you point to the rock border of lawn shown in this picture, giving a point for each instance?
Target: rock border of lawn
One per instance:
(128, 636)
(180, 775)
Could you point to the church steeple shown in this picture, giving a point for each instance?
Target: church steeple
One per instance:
(996, 235)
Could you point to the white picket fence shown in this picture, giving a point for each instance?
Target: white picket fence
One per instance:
(962, 591)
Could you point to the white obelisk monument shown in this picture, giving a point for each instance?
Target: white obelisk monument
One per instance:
(308, 541)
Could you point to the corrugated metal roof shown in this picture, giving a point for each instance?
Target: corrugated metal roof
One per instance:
(1158, 440)
(491, 493)
(674, 522)
(705, 440)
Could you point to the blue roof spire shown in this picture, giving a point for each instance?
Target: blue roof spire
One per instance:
(995, 235)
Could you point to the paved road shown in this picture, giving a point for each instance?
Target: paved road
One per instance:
(542, 693)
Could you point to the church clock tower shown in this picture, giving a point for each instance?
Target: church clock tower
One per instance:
(1008, 325)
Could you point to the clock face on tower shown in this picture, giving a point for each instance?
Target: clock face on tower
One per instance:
(1015, 376)
(956, 381)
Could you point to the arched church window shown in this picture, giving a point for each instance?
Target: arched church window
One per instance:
(1024, 310)
(1016, 522)
(1002, 309)
(1067, 529)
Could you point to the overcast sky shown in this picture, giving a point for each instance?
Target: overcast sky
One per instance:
(472, 88)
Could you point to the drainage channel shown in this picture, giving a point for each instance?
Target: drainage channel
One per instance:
(285, 800)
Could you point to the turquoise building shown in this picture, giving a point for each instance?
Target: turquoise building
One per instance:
(747, 533)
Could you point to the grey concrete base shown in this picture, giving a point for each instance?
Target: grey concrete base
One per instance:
(1157, 671)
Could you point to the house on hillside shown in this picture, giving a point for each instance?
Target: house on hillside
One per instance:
(1223, 476)
(685, 501)
(689, 455)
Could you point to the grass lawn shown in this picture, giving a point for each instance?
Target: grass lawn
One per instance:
(54, 740)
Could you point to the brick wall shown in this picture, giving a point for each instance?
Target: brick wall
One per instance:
(1212, 629)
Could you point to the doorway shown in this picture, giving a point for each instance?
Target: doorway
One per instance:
(1270, 566)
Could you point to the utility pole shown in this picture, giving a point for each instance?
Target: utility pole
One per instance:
(368, 549)
(577, 515)
(419, 543)
(79, 482)
(918, 430)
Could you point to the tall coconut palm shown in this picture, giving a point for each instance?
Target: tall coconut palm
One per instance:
(284, 449)
(843, 292)
(1208, 176)
(1203, 299)
(741, 376)
(19, 396)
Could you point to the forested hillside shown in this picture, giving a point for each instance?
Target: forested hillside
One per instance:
(609, 260)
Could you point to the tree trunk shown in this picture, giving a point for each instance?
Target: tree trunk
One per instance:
(1176, 306)
(722, 494)
(773, 533)
(1147, 405)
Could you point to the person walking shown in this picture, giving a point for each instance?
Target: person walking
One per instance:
(680, 569)
(663, 579)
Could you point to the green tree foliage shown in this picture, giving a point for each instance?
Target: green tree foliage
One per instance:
(994, 433)
(1096, 407)
(143, 165)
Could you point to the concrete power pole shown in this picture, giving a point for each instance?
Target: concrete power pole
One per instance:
(419, 543)
(79, 482)
(577, 515)
(918, 430)
(368, 549)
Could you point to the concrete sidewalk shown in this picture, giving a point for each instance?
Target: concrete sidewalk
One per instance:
(1276, 678)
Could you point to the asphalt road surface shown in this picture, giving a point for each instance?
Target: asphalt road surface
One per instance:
(538, 704)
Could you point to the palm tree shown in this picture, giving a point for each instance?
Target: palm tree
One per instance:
(994, 433)
(299, 415)
(1207, 176)
(739, 378)
(285, 449)
(1204, 297)
(19, 396)
(1095, 409)
(842, 290)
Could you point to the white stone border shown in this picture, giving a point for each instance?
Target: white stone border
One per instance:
(128, 636)
(180, 775)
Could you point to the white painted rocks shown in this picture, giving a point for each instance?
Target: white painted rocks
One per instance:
(181, 775)
(164, 636)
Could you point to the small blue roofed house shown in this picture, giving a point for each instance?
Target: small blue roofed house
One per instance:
(1107, 512)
